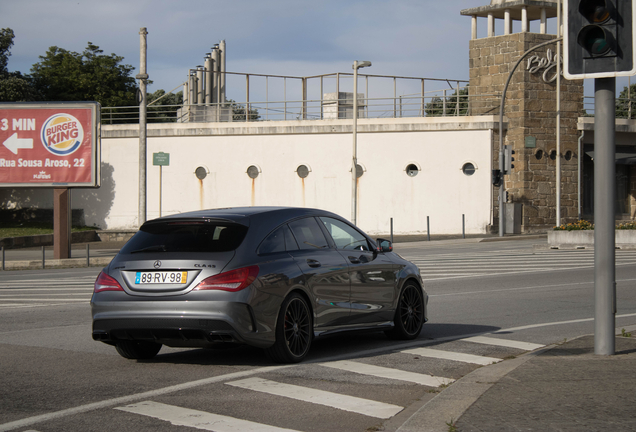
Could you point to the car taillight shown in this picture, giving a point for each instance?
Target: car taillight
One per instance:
(106, 283)
(233, 280)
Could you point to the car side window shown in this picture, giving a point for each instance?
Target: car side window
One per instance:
(280, 240)
(308, 234)
(345, 236)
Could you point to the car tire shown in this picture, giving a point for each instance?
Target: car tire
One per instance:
(409, 315)
(137, 350)
(294, 331)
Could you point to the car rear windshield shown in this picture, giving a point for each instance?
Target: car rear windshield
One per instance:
(186, 237)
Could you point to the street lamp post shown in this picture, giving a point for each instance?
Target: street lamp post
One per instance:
(354, 178)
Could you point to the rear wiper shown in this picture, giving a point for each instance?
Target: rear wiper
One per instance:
(156, 248)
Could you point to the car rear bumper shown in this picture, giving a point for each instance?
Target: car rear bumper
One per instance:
(197, 326)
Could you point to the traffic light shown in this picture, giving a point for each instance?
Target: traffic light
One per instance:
(508, 159)
(496, 178)
(598, 39)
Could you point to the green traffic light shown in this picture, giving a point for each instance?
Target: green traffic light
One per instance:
(594, 39)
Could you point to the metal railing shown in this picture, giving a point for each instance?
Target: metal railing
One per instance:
(276, 97)
(625, 107)
(431, 105)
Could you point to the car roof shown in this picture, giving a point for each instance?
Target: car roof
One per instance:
(243, 214)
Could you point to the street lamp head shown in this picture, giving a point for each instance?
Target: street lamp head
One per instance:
(360, 64)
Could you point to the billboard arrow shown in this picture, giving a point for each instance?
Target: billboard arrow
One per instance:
(13, 143)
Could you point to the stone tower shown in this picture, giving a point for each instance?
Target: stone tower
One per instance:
(530, 109)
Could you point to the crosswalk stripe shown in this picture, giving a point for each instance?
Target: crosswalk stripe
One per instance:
(334, 400)
(504, 343)
(197, 419)
(448, 355)
(382, 372)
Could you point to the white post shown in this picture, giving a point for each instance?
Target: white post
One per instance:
(544, 20)
(525, 24)
(507, 22)
(491, 25)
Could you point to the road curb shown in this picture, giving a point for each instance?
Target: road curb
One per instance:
(449, 405)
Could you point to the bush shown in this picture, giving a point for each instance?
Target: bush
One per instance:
(575, 226)
(626, 226)
(585, 225)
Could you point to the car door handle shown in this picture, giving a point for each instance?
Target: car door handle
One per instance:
(313, 263)
(354, 260)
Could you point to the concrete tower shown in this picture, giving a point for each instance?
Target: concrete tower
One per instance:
(530, 109)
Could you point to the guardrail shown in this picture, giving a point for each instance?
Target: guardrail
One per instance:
(319, 109)
(625, 107)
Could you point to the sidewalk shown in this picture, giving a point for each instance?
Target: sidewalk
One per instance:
(563, 387)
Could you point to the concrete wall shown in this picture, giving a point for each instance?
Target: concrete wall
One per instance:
(438, 146)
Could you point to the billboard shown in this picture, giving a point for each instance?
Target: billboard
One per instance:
(50, 144)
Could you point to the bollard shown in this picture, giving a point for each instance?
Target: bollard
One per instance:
(463, 227)
(42, 256)
(391, 230)
(3, 258)
(428, 229)
(88, 255)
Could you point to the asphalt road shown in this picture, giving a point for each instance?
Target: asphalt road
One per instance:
(56, 378)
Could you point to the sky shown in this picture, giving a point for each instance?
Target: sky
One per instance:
(415, 38)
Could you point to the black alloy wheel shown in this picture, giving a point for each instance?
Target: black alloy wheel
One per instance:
(294, 331)
(409, 315)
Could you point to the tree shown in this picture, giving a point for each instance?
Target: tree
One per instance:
(238, 111)
(166, 106)
(626, 100)
(14, 87)
(6, 42)
(63, 75)
(435, 108)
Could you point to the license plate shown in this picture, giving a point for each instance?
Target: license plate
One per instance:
(161, 277)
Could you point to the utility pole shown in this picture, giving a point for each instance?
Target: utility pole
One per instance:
(354, 166)
(142, 76)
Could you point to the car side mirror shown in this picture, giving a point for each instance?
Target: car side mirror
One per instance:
(384, 245)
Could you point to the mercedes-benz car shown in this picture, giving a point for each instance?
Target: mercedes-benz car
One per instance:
(271, 277)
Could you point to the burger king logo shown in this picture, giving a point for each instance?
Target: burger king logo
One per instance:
(62, 134)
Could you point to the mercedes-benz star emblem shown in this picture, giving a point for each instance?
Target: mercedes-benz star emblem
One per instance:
(157, 264)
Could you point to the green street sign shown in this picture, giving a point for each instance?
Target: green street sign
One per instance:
(161, 159)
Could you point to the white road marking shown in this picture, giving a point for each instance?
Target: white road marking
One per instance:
(57, 299)
(18, 424)
(198, 419)
(504, 343)
(334, 400)
(382, 372)
(449, 355)
(500, 263)
(533, 326)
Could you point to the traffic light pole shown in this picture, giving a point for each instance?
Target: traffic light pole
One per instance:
(604, 241)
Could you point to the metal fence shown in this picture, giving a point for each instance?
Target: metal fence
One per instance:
(330, 96)
(625, 107)
(273, 97)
